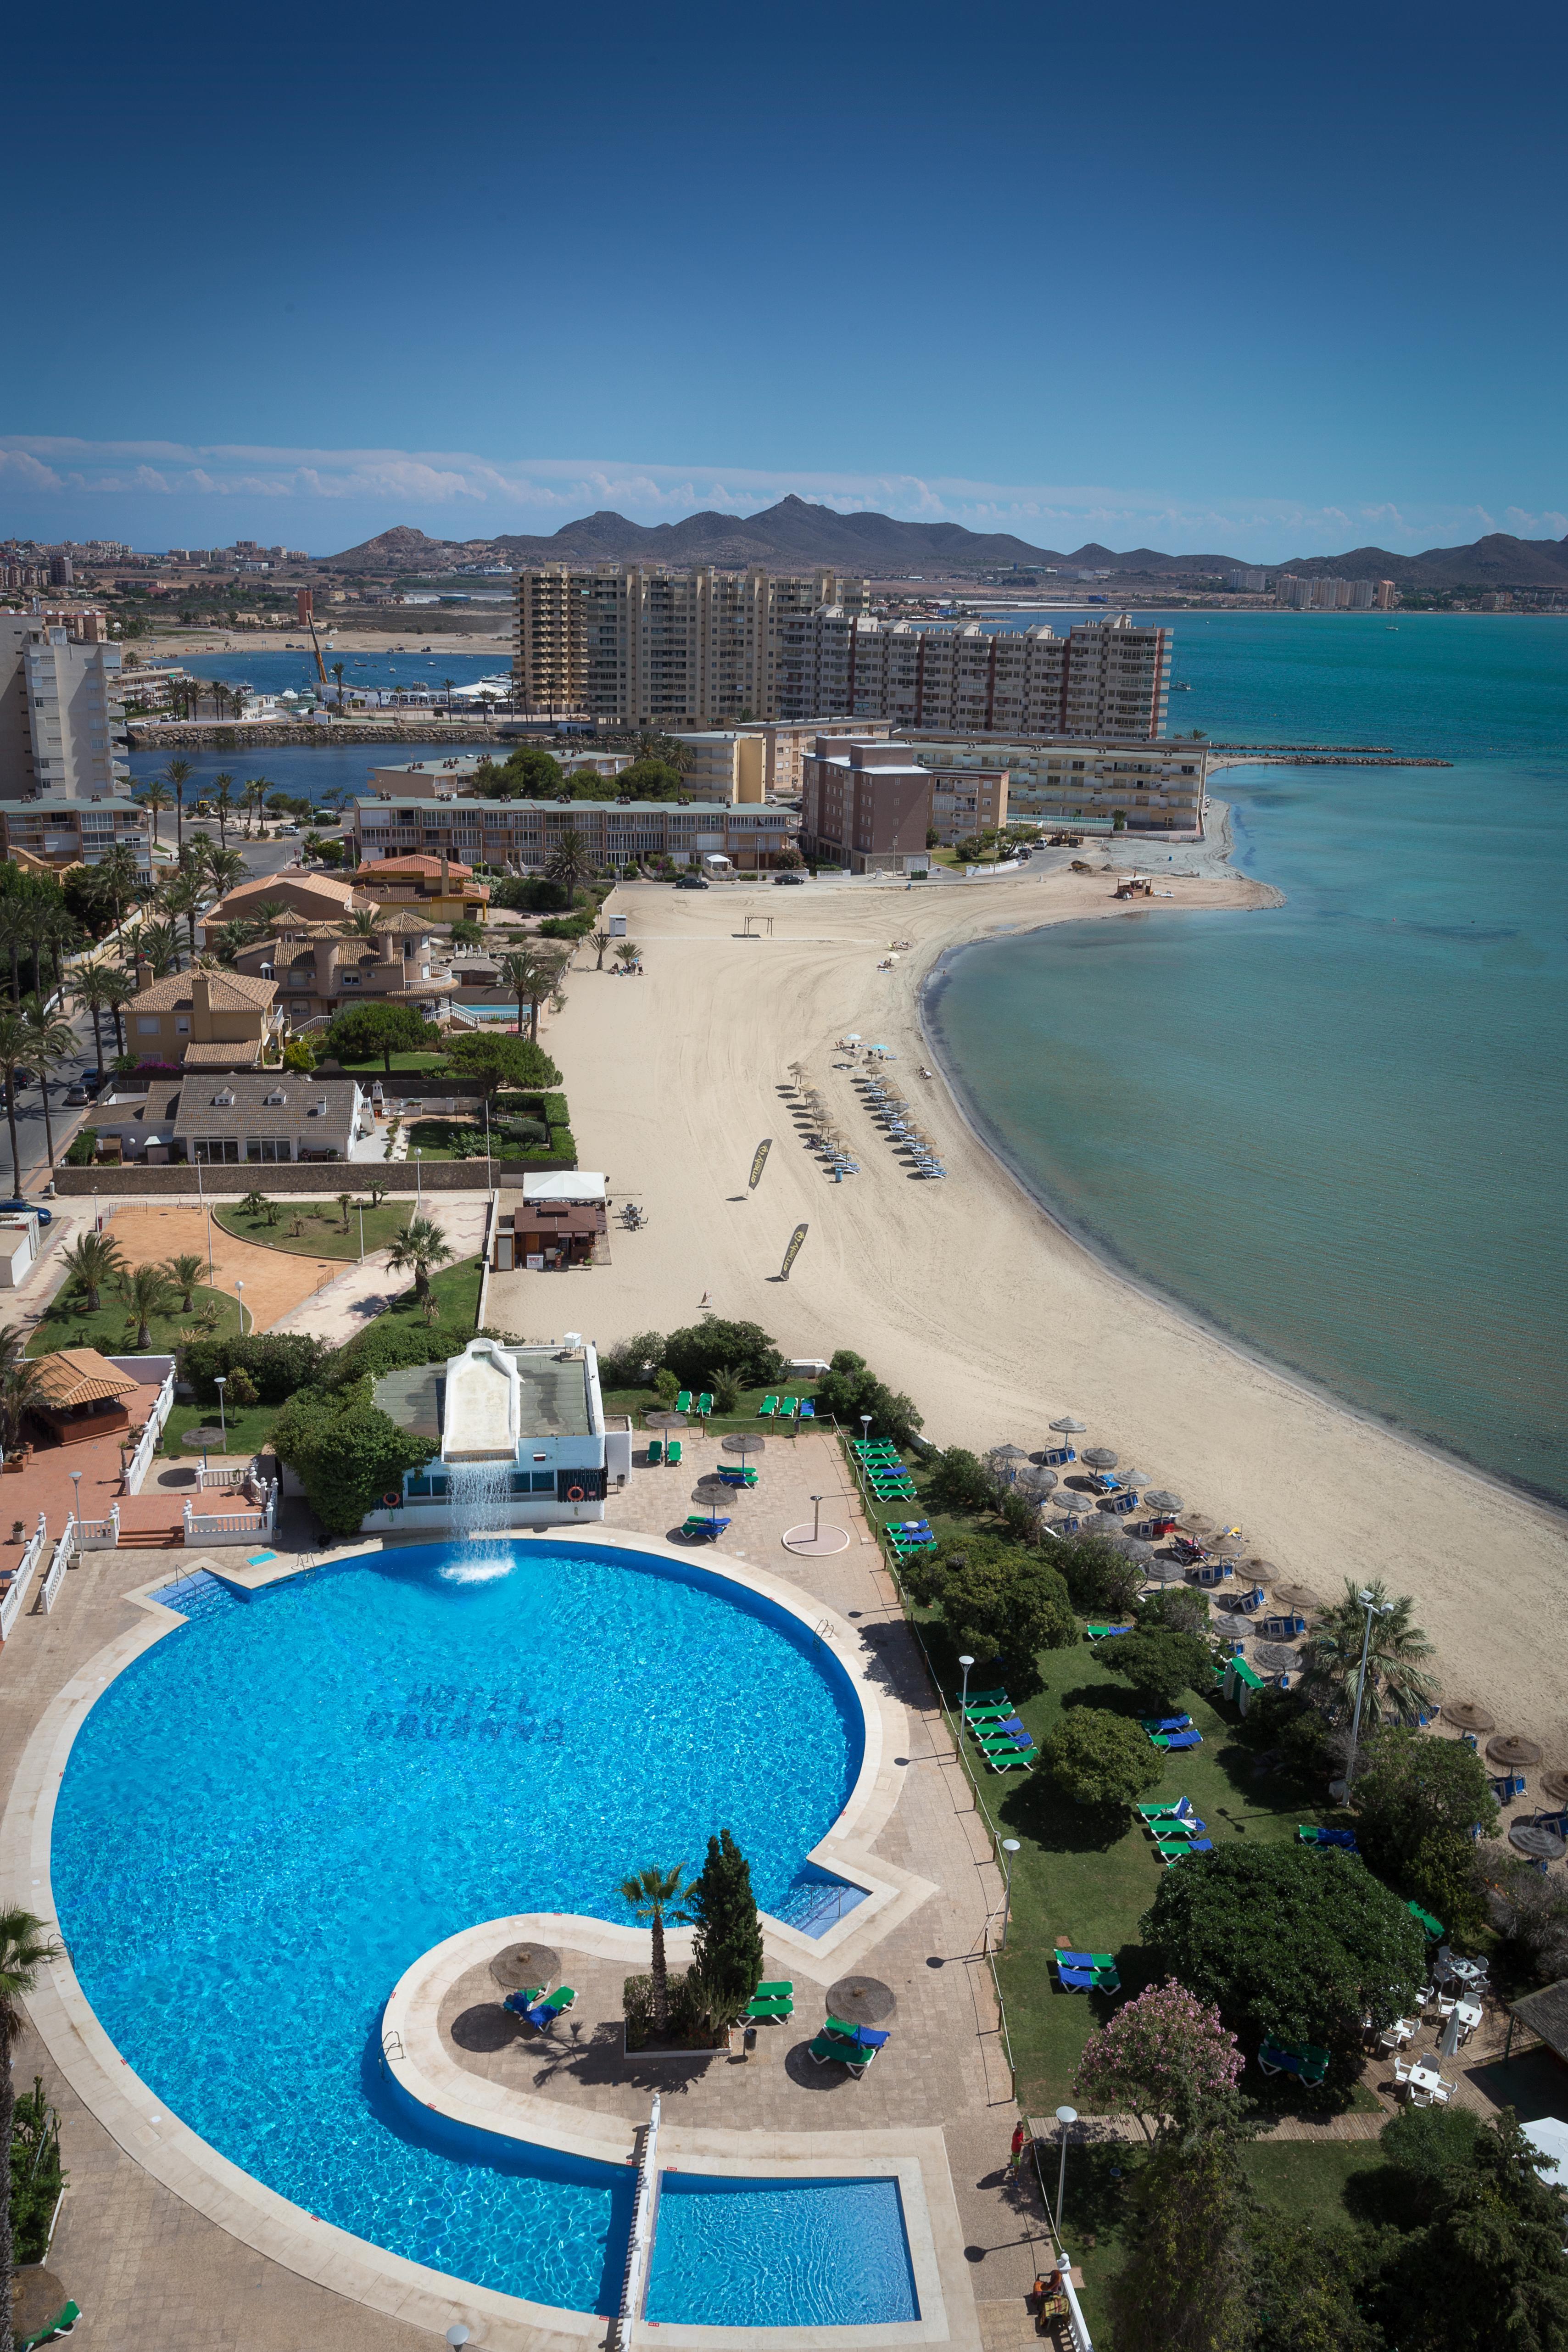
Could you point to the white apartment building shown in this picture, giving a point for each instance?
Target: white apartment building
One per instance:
(1105, 679)
(59, 831)
(1247, 584)
(1152, 789)
(652, 647)
(1332, 594)
(62, 728)
(518, 836)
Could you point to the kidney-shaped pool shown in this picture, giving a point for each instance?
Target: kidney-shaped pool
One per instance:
(279, 1806)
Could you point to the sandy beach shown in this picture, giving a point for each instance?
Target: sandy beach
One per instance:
(965, 1293)
(174, 643)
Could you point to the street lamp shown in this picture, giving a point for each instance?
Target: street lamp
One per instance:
(457, 2336)
(362, 1210)
(1009, 1847)
(1374, 1608)
(1064, 2116)
(76, 1478)
(418, 1183)
(221, 1382)
(240, 1294)
(964, 1696)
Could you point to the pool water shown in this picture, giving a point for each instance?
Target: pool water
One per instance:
(779, 2254)
(267, 1817)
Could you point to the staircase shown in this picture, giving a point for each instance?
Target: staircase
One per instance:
(164, 1538)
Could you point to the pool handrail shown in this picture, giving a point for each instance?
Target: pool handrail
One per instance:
(640, 2238)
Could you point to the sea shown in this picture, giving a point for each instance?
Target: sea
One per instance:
(1336, 1131)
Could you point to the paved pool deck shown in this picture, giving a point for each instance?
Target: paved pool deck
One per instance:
(142, 2242)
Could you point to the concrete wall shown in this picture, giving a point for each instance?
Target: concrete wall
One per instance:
(321, 1178)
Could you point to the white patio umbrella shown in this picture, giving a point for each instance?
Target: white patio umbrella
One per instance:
(1452, 2031)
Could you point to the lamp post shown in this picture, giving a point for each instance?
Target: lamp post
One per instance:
(240, 1294)
(457, 2335)
(221, 1382)
(964, 1695)
(76, 1480)
(211, 1277)
(361, 1206)
(1064, 2116)
(1009, 1847)
(418, 1183)
(1374, 1609)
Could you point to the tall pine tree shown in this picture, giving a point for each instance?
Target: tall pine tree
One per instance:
(727, 1947)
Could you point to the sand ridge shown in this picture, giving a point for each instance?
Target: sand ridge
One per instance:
(965, 1293)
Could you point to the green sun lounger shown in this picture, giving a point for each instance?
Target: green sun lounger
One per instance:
(1003, 1759)
(763, 2006)
(673, 1454)
(705, 1402)
(775, 1989)
(788, 1407)
(987, 1698)
(64, 2320)
(655, 1451)
(1159, 1812)
(684, 1401)
(767, 1409)
(832, 2049)
(996, 1711)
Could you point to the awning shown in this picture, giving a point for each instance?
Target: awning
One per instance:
(74, 1376)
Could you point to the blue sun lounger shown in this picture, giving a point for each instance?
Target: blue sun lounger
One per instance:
(1173, 1739)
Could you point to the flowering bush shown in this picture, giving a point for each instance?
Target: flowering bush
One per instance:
(1161, 2055)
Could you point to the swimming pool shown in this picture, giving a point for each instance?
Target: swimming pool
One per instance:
(780, 2254)
(275, 1810)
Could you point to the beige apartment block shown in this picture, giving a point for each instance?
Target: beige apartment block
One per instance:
(965, 801)
(62, 720)
(520, 835)
(211, 1019)
(1160, 788)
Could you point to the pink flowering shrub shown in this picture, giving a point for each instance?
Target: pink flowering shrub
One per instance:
(1160, 2055)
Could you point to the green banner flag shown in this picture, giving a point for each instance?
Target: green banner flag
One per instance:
(793, 1252)
(760, 1160)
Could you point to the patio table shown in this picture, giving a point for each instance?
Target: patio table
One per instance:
(1426, 2078)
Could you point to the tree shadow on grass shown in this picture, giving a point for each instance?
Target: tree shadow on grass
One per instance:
(1036, 1808)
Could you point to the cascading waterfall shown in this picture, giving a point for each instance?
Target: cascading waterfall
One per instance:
(479, 1495)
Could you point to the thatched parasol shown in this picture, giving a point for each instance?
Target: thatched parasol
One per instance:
(1510, 1747)
(862, 2001)
(1535, 1838)
(743, 1443)
(1067, 1427)
(1229, 1547)
(1008, 1453)
(1198, 1523)
(1100, 1457)
(1161, 1570)
(1556, 1786)
(524, 1964)
(1298, 1596)
(659, 1419)
(1277, 1658)
(1261, 1571)
(1160, 1499)
(1136, 1550)
(1466, 1716)
(1036, 1480)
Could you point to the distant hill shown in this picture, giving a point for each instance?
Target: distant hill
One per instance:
(795, 533)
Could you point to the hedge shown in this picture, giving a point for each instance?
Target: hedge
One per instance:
(280, 1362)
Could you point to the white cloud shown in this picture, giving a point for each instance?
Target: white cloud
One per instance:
(457, 494)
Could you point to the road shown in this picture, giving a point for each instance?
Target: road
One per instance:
(262, 858)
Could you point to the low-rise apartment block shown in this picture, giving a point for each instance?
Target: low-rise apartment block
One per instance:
(56, 833)
(62, 722)
(1158, 789)
(206, 1020)
(518, 836)
(866, 805)
(965, 801)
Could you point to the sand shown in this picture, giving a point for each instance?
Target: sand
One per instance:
(964, 1293)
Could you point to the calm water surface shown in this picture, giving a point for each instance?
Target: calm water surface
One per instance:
(1336, 1128)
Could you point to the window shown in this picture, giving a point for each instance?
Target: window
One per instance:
(420, 1485)
(216, 1150)
(182, 1024)
(268, 1148)
(148, 1025)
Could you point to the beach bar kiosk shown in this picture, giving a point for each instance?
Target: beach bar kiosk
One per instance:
(557, 1221)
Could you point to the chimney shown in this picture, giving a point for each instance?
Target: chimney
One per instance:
(201, 1008)
(446, 875)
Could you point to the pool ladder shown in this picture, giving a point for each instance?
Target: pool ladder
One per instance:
(392, 2047)
(823, 1630)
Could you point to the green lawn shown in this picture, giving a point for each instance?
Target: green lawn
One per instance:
(437, 1138)
(455, 1287)
(249, 1427)
(321, 1233)
(65, 1325)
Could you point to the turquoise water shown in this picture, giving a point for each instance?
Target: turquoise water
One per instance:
(324, 772)
(779, 2254)
(273, 1812)
(271, 670)
(1336, 1128)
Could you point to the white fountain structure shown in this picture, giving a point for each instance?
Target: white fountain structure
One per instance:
(523, 1440)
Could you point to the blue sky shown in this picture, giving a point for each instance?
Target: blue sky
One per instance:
(1211, 278)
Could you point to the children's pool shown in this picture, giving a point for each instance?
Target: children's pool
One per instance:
(779, 2254)
(279, 1806)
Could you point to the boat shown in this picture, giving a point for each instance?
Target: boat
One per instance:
(1181, 686)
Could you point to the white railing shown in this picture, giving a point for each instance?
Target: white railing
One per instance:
(229, 1477)
(233, 1527)
(1077, 2326)
(58, 1567)
(100, 1535)
(644, 2221)
(140, 1461)
(17, 1590)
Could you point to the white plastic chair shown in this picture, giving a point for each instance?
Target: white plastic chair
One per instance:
(1442, 2094)
(1401, 2069)
(1447, 2004)
(1420, 2098)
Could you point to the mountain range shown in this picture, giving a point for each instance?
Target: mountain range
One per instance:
(795, 534)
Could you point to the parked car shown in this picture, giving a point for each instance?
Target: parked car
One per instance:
(786, 877)
(694, 882)
(76, 1094)
(45, 1216)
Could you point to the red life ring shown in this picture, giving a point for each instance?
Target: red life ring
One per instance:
(575, 1495)
(390, 1501)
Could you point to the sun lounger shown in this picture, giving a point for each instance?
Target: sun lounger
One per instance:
(768, 1408)
(1105, 1632)
(655, 1451)
(807, 1410)
(1177, 1849)
(705, 1402)
(544, 2013)
(696, 1525)
(865, 2037)
(1174, 1739)
(1184, 1825)
(771, 2004)
(737, 1476)
(684, 1401)
(1165, 1722)
(989, 1698)
(833, 2050)
(64, 2320)
(788, 1407)
(775, 1989)
(1303, 2059)
(1434, 1928)
(520, 2002)
(673, 1454)
(993, 1714)
(1087, 1979)
(1005, 1758)
(1180, 1812)
(1009, 1723)
(1084, 1960)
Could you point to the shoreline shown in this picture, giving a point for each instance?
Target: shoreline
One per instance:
(969, 1294)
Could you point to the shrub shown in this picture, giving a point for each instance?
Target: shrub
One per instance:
(503, 1061)
(346, 1453)
(1287, 1939)
(298, 1055)
(1164, 2055)
(713, 1345)
(1530, 1912)
(563, 1144)
(278, 1363)
(390, 1344)
(83, 1149)
(240, 1388)
(630, 1363)
(849, 1389)
(998, 1600)
(566, 927)
(726, 1955)
(1160, 1665)
(961, 1482)
(362, 1031)
(1177, 1607)
(690, 2024)
(1099, 1759)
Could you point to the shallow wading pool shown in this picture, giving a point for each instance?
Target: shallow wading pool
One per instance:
(279, 1806)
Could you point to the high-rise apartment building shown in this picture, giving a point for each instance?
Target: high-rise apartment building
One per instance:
(1247, 584)
(1105, 679)
(657, 648)
(62, 726)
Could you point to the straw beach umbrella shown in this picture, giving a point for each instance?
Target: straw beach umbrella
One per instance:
(1160, 1499)
(1198, 1523)
(1067, 1427)
(1556, 1786)
(1509, 1748)
(1466, 1716)
(1036, 1480)
(1100, 1457)
(1298, 1596)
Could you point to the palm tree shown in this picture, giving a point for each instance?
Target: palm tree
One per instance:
(182, 895)
(25, 1946)
(256, 792)
(146, 1292)
(417, 1246)
(568, 864)
(448, 682)
(224, 797)
(119, 988)
(229, 938)
(1397, 1690)
(534, 975)
(50, 1042)
(361, 923)
(13, 940)
(93, 1260)
(345, 1203)
(184, 1272)
(255, 1205)
(627, 952)
(157, 797)
(178, 774)
(226, 868)
(122, 876)
(158, 947)
(21, 1385)
(91, 986)
(338, 674)
(650, 1892)
(13, 1055)
(599, 940)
